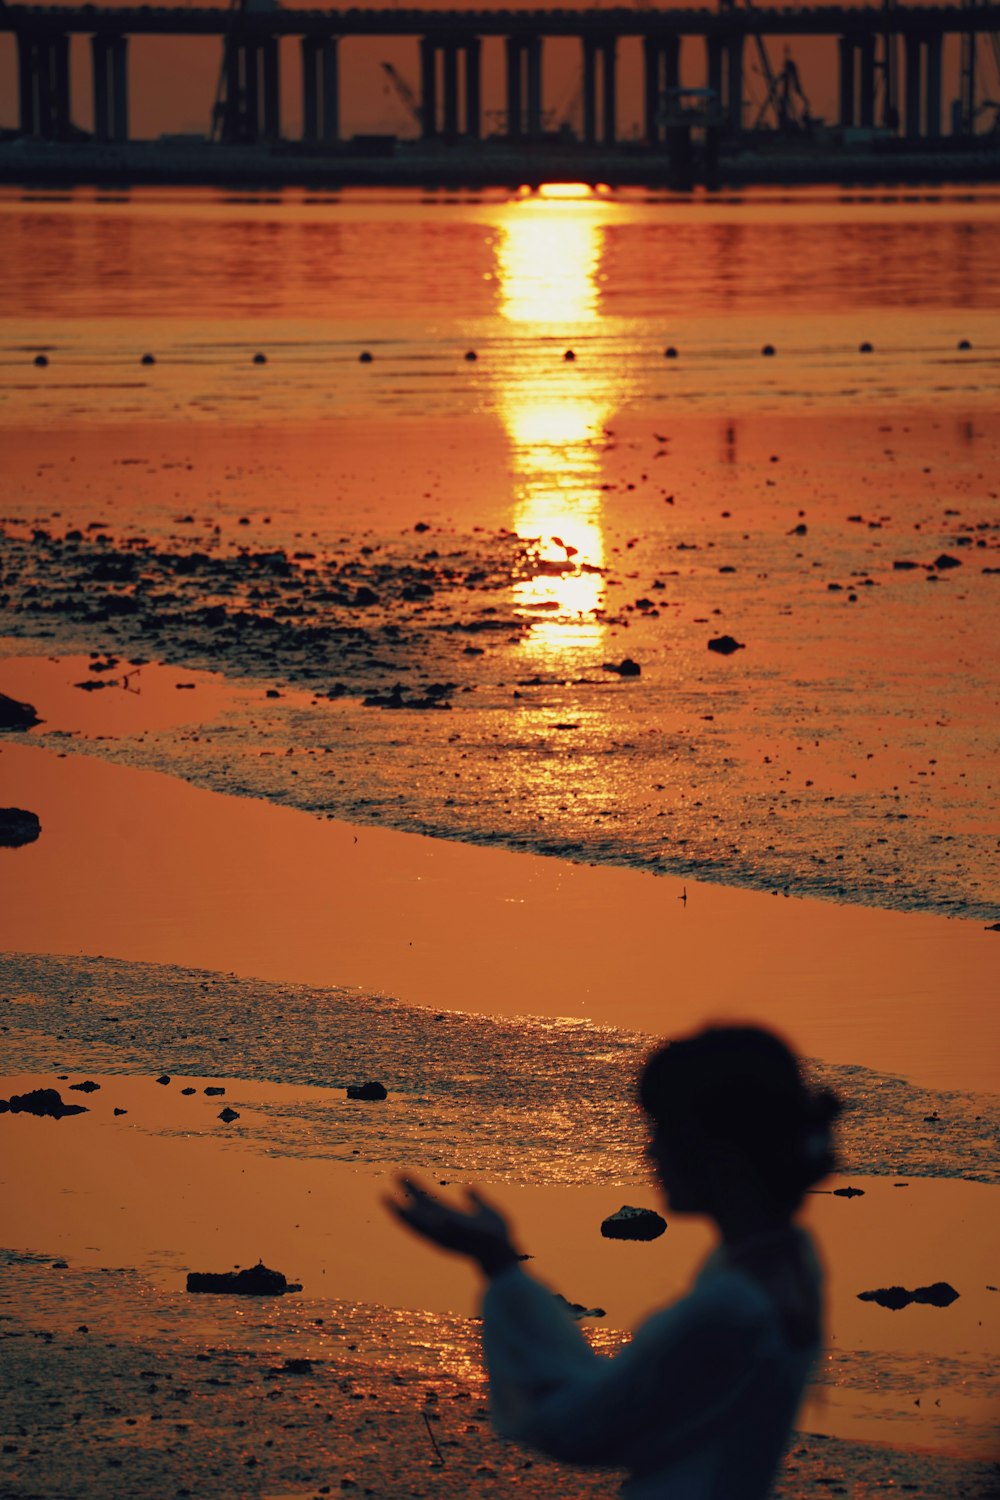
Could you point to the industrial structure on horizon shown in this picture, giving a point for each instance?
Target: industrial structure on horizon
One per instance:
(891, 66)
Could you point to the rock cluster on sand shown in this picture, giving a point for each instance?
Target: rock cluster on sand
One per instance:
(42, 1102)
(15, 715)
(633, 1224)
(17, 827)
(577, 1309)
(938, 1294)
(253, 1281)
(373, 1090)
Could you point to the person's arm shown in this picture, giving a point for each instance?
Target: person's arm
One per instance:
(671, 1387)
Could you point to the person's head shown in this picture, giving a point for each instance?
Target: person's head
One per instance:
(729, 1111)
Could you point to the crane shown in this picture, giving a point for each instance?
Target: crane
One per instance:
(404, 93)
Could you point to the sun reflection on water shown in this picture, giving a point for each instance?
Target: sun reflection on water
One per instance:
(556, 409)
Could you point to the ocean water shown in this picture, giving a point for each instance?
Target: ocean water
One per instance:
(436, 565)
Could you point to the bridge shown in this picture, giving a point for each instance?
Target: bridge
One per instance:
(890, 61)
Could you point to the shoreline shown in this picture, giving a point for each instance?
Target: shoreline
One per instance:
(903, 993)
(150, 163)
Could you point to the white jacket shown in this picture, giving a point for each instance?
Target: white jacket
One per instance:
(698, 1406)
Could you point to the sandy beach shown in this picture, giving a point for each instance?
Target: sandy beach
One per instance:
(381, 737)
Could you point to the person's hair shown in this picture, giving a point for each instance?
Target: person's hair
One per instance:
(741, 1088)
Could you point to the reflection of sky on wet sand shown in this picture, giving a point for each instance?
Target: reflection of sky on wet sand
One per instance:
(555, 410)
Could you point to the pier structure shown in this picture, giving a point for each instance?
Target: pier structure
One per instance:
(870, 41)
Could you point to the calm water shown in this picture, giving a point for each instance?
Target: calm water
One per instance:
(490, 535)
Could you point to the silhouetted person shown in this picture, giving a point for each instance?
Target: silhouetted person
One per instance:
(700, 1404)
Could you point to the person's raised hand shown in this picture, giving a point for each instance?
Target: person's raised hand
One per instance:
(479, 1232)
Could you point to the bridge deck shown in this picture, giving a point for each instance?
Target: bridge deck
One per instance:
(824, 20)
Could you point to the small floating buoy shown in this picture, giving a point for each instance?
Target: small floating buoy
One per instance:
(767, 350)
(471, 355)
(364, 358)
(865, 348)
(964, 344)
(41, 360)
(260, 359)
(670, 353)
(569, 356)
(148, 359)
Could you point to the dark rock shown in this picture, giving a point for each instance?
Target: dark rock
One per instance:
(964, 344)
(569, 356)
(43, 1102)
(903, 565)
(294, 1367)
(938, 1294)
(260, 359)
(577, 1309)
(944, 560)
(373, 1090)
(227, 1115)
(15, 715)
(254, 1281)
(121, 1111)
(365, 357)
(767, 350)
(865, 348)
(670, 353)
(725, 645)
(189, 1090)
(800, 530)
(213, 1088)
(88, 1086)
(164, 1078)
(363, 597)
(633, 1224)
(471, 355)
(41, 360)
(148, 359)
(993, 927)
(625, 668)
(17, 827)
(849, 1192)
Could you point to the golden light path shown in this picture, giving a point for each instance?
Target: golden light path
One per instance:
(555, 411)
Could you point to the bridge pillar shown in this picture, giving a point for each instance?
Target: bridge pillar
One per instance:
(515, 91)
(119, 110)
(450, 73)
(271, 116)
(320, 90)
(734, 84)
(967, 95)
(589, 90)
(609, 50)
(251, 92)
(651, 88)
(534, 55)
(473, 92)
(933, 46)
(310, 90)
(713, 49)
(911, 121)
(847, 48)
(44, 86)
(428, 87)
(866, 46)
(330, 75)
